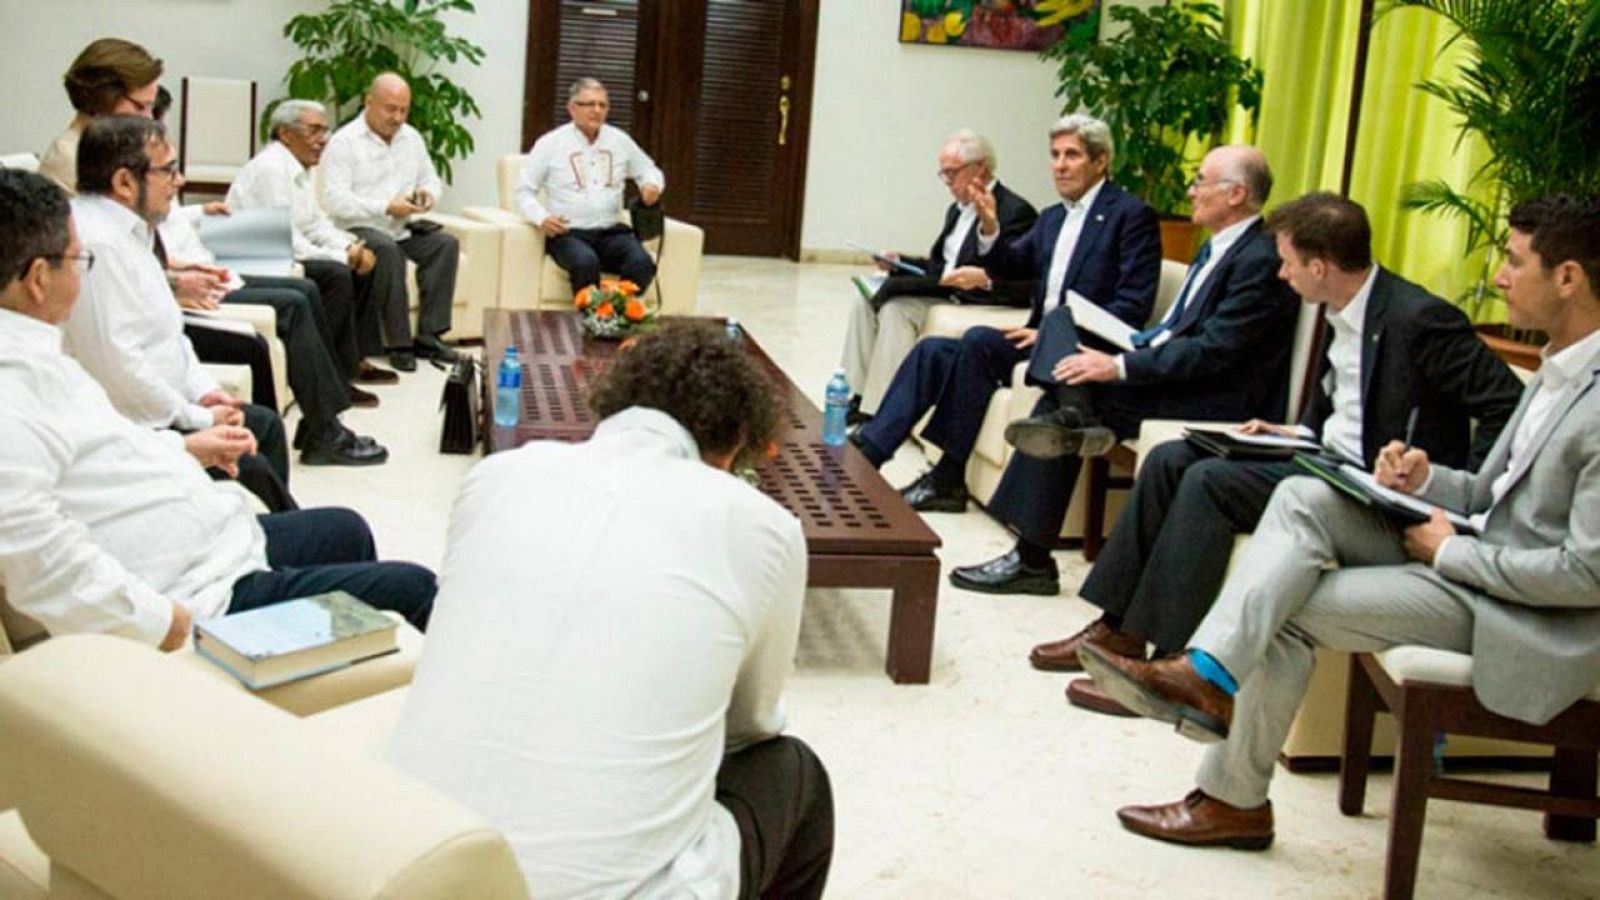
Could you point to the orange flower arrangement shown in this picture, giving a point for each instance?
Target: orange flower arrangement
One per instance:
(598, 309)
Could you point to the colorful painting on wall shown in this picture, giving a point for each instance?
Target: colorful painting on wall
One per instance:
(1000, 24)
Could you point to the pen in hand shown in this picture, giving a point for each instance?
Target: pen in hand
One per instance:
(1411, 427)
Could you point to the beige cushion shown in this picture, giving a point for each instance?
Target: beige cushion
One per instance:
(24, 869)
(148, 779)
(1426, 664)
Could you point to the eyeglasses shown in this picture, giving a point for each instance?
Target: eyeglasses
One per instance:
(949, 174)
(312, 130)
(83, 262)
(168, 171)
(1200, 182)
(140, 108)
(591, 104)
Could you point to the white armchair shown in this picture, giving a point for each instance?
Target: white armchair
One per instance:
(216, 131)
(528, 279)
(477, 275)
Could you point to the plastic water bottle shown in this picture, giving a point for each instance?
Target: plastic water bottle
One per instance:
(508, 390)
(733, 331)
(836, 407)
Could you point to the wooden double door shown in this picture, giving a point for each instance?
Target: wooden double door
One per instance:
(718, 92)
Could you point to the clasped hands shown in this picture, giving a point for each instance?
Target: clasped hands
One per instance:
(419, 200)
(220, 446)
(199, 286)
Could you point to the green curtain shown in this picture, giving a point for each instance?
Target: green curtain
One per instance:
(1306, 51)
(1405, 136)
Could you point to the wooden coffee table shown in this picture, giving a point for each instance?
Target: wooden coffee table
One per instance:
(859, 532)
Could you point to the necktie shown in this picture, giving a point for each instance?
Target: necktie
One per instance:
(1142, 339)
(160, 248)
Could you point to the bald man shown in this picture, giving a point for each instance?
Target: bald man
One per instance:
(376, 178)
(1221, 353)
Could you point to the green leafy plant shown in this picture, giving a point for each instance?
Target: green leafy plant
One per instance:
(1168, 80)
(1529, 87)
(355, 40)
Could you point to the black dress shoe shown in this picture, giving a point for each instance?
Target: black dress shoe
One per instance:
(348, 449)
(925, 496)
(1062, 432)
(1008, 575)
(358, 397)
(371, 374)
(403, 360)
(428, 346)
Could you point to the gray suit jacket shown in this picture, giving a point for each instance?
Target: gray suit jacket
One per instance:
(1535, 570)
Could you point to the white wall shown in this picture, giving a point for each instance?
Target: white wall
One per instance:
(237, 39)
(879, 111)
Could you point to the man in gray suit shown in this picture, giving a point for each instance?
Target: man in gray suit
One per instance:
(1521, 592)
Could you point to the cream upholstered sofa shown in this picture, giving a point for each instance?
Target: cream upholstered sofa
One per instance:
(304, 697)
(1015, 401)
(529, 279)
(1316, 737)
(135, 776)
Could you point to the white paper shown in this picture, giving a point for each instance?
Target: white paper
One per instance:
(251, 241)
(1092, 317)
(1275, 440)
(1368, 481)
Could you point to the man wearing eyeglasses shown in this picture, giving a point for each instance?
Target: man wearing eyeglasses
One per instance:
(126, 328)
(885, 325)
(581, 169)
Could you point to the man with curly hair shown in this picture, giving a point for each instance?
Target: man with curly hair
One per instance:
(603, 677)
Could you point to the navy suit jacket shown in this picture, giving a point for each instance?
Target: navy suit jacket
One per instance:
(1116, 263)
(1228, 356)
(1419, 351)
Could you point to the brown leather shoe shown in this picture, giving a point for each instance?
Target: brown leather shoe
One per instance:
(1201, 821)
(361, 398)
(1085, 694)
(1167, 690)
(1062, 655)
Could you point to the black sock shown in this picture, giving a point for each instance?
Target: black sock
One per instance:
(1032, 554)
(947, 474)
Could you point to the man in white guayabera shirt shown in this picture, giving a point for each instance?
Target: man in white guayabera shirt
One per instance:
(377, 176)
(617, 715)
(109, 526)
(582, 168)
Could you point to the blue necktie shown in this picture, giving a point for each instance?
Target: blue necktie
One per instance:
(1142, 339)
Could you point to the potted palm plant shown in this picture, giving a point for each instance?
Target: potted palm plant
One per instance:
(1166, 84)
(353, 41)
(1529, 88)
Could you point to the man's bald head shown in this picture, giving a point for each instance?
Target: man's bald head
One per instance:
(388, 104)
(1248, 166)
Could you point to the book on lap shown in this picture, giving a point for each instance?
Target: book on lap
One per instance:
(1096, 319)
(295, 639)
(1260, 447)
(1362, 487)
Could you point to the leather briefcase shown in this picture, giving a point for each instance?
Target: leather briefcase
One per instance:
(460, 404)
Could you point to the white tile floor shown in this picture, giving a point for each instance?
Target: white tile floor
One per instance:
(984, 783)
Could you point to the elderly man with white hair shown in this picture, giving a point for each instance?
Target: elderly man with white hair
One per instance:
(341, 264)
(376, 178)
(886, 323)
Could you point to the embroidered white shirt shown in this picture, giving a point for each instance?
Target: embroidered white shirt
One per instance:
(362, 173)
(105, 523)
(587, 668)
(274, 178)
(126, 328)
(582, 180)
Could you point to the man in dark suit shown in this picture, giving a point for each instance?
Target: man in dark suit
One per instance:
(887, 323)
(1220, 352)
(1101, 242)
(1520, 592)
(1391, 347)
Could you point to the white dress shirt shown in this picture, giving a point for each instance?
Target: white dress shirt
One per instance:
(126, 328)
(180, 235)
(1066, 244)
(966, 218)
(582, 180)
(362, 173)
(274, 178)
(587, 666)
(1341, 431)
(105, 523)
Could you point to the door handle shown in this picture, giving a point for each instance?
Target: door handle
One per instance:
(783, 120)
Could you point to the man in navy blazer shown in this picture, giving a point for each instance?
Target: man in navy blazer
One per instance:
(1101, 242)
(1220, 352)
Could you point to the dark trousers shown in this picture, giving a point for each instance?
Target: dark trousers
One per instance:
(954, 376)
(780, 796)
(319, 383)
(214, 345)
(1034, 494)
(1165, 561)
(585, 252)
(437, 256)
(314, 551)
